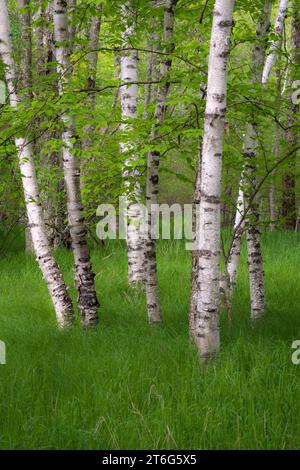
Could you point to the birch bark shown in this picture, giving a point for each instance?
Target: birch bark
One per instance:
(247, 185)
(255, 260)
(153, 306)
(135, 236)
(276, 44)
(84, 276)
(208, 237)
(92, 62)
(56, 286)
(289, 211)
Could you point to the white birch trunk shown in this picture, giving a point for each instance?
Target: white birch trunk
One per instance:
(84, 276)
(153, 306)
(276, 44)
(135, 236)
(291, 135)
(57, 288)
(239, 226)
(247, 185)
(208, 238)
(195, 254)
(255, 260)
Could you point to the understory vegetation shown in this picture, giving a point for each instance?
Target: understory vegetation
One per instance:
(125, 385)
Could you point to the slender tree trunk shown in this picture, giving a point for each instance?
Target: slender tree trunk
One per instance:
(25, 77)
(276, 44)
(135, 236)
(84, 276)
(208, 236)
(152, 63)
(195, 253)
(48, 266)
(276, 149)
(92, 62)
(255, 260)
(247, 186)
(289, 210)
(71, 5)
(153, 306)
(26, 61)
(239, 227)
(52, 200)
(272, 192)
(92, 59)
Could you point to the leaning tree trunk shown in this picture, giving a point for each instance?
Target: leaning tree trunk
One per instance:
(208, 236)
(153, 306)
(84, 276)
(57, 288)
(289, 211)
(129, 100)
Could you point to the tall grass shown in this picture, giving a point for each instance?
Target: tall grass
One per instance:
(131, 386)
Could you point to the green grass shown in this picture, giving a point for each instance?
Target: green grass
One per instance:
(131, 386)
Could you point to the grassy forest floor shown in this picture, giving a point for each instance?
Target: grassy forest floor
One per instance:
(127, 385)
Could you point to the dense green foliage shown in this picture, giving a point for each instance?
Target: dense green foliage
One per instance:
(183, 126)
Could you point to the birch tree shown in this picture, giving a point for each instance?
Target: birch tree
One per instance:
(25, 76)
(135, 236)
(92, 64)
(195, 253)
(153, 306)
(84, 276)
(247, 185)
(276, 44)
(235, 249)
(208, 236)
(276, 150)
(255, 261)
(288, 210)
(56, 286)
